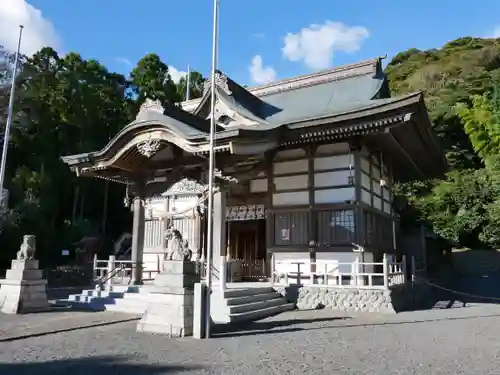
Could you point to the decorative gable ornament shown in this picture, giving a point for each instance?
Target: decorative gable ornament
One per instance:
(220, 81)
(185, 187)
(149, 147)
(152, 105)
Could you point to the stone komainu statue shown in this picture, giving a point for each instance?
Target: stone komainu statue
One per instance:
(27, 249)
(177, 248)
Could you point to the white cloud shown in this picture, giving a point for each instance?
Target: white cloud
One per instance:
(259, 73)
(317, 44)
(124, 61)
(38, 31)
(175, 74)
(496, 32)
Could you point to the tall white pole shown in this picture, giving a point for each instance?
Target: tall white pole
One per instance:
(9, 117)
(211, 169)
(188, 83)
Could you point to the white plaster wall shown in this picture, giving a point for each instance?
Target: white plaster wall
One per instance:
(365, 181)
(366, 197)
(294, 166)
(333, 162)
(291, 198)
(291, 182)
(335, 178)
(337, 195)
(258, 185)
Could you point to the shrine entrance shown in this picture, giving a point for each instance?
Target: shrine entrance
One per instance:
(246, 236)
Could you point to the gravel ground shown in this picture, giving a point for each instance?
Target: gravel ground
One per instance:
(14, 327)
(451, 341)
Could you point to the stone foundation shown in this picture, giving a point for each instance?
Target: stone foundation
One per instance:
(170, 302)
(389, 301)
(23, 290)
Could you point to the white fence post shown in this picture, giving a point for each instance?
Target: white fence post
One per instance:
(94, 267)
(111, 267)
(385, 266)
(404, 267)
(325, 279)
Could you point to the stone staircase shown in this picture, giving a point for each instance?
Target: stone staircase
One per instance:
(247, 304)
(232, 305)
(124, 299)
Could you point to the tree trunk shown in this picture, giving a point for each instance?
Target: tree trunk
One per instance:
(76, 196)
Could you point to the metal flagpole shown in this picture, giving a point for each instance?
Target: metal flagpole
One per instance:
(9, 116)
(188, 83)
(211, 169)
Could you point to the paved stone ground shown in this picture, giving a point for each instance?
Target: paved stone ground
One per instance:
(448, 341)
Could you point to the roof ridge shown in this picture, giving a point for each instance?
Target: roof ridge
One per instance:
(370, 66)
(320, 73)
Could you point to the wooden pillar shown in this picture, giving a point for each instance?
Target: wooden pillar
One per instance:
(138, 237)
(313, 230)
(359, 223)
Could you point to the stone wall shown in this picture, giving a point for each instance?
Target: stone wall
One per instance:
(393, 300)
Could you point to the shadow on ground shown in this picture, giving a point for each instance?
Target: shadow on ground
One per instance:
(93, 365)
(267, 327)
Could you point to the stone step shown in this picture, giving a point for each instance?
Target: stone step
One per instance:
(254, 306)
(89, 299)
(255, 314)
(101, 293)
(233, 293)
(252, 298)
(127, 306)
(135, 296)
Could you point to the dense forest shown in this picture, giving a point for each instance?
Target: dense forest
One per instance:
(461, 82)
(66, 105)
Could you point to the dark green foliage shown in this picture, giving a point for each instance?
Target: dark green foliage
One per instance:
(67, 105)
(460, 82)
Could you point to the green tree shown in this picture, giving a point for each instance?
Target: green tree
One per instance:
(151, 79)
(196, 83)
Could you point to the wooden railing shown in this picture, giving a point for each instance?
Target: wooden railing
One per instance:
(362, 275)
(253, 269)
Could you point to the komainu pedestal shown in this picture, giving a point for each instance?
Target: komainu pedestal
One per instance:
(23, 290)
(170, 305)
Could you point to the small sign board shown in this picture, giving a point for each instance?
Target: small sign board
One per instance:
(64, 252)
(285, 234)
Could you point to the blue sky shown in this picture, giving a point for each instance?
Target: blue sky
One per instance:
(117, 32)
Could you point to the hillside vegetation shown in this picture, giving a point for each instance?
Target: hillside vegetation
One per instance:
(460, 81)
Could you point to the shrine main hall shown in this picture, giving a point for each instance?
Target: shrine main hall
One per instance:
(305, 169)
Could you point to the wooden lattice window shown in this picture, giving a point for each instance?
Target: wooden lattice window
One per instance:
(336, 227)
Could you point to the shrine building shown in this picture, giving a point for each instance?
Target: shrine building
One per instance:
(305, 169)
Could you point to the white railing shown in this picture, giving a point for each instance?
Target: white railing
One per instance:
(362, 275)
(112, 271)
